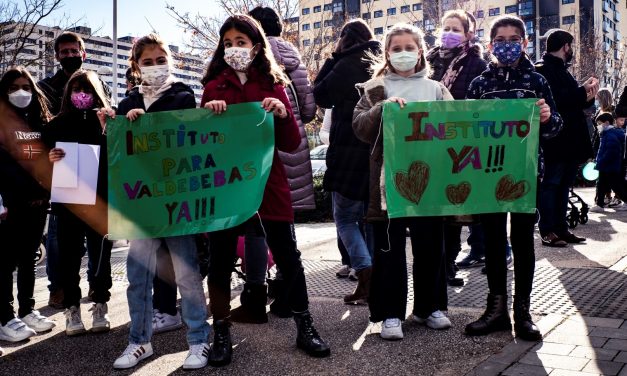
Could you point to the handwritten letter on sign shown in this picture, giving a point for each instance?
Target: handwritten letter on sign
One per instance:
(185, 172)
(461, 157)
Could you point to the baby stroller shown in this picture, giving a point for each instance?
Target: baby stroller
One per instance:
(576, 215)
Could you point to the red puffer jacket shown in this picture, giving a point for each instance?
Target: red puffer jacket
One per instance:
(276, 204)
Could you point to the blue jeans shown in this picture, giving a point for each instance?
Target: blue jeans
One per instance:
(553, 196)
(141, 266)
(348, 214)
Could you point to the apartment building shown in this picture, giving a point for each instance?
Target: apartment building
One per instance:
(38, 55)
(596, 21)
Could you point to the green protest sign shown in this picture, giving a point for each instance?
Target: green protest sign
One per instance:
(461, 157)
(185, 172)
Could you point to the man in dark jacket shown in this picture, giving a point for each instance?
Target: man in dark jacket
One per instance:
(572, 147)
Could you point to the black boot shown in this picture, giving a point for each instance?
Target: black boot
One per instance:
(253, 309)
(523, 325)
(221, 349)
(308, 338)
(495, 317)
(280, 306)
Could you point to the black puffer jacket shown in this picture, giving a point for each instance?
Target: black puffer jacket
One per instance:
(178, 97)
(468, 67)
(573, 143)
(347, 157)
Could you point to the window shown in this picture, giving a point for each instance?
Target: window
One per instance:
(568, 20)
(305, 11)
(404, 8)
(306, 27)
(338, 7)
(327, 7)
(480, 33)
(525, 8)
(365, 16)
(391, 11)
(429, 25)
(317, 9)
(530, 27)
(378, 13)
(479, 14)
(511, 9)
(494, 12)
(317, 24)
(568, 1)
(378, 30)
(328, 23)
(417, 6)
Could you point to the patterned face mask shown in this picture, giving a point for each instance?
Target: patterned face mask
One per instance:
(239, 58)
(507, 53)
(155, 75)
(82, 101)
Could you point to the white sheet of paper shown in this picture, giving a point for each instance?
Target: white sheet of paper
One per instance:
(64, 171)
(86, 174)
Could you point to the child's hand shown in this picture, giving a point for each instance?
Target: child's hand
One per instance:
(133, 114)
(401, 101)
(276, 106)
(56, 154)
(545, 111)
(102, 116)
(216, 106)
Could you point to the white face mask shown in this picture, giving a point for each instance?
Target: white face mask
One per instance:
(20, 98)
(404, 61)
(238, 58)
(155, 75)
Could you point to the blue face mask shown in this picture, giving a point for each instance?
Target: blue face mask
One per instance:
(507, 53)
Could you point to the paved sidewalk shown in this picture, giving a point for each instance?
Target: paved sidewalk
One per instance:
(579, 301)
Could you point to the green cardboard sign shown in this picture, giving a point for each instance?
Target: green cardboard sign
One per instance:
(189, 171)
(461, 157)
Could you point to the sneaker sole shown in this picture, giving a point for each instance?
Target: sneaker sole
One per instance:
(195, 366)
(127, 366)
(41, 329)
(167, 328)
(75, 332)
(392, 338)
(4, 337)
(100, 329)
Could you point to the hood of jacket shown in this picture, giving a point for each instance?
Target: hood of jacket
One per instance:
(284, 53)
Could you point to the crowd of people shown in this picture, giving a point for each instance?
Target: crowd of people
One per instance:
(253, 63)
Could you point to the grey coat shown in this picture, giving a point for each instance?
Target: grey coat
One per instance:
(300, 93)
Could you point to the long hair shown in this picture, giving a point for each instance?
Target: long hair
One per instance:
(354, 32)
(86, 80)
(263, 61)
(38, 107)
(140, 45)
(606, 102)
(382, 64)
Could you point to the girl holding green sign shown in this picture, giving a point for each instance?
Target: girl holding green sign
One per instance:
(511, 76)
(401, 78)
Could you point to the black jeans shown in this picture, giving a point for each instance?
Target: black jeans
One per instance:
(495, 229)
(20, 234)
(164, 283)
(388, 287)
(614, 181)
(281, 240)
(71, 233)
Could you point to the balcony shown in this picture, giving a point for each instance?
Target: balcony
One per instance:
(606, 6)
(617, 16)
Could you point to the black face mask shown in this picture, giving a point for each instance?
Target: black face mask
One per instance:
(71, 63)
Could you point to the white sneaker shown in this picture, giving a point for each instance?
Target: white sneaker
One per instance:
(352, 275)
(73, 322)
(436, 320)
(132, 355)
(391, 329)
(163, 322)
(101, 318)
(597, 209)
(343, 272)
(614, 202)
(197, 357)
(38, 322)
(620, 207)
(15, 331)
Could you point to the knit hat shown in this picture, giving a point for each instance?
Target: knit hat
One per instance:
(557, 38)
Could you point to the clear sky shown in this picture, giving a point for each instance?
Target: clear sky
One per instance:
(134, 16)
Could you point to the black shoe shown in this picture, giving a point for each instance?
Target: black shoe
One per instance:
(279, 307)
(569, 237)
(552, 240)
(495, 317)
(307, 337)
(470, 262)
(523, 325)
(253, 308)
(455, 282)
(221, 348)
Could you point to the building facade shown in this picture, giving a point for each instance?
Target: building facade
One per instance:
(37, 55)
(595, 23)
